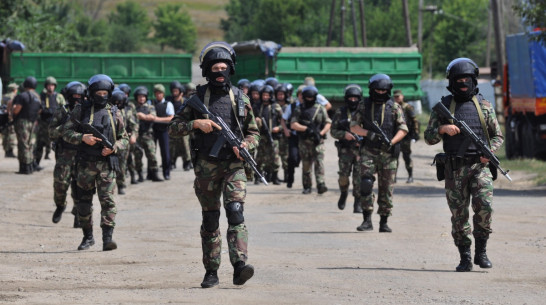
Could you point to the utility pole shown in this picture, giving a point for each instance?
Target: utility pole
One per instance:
(407, 22)
(496, 9)
(355, 37)
(342, 23)
(488, 53)
(420, 27)
(331, 25)
(362, 24)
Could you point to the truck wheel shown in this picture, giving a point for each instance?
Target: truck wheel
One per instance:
(510, 143)
(528, 139)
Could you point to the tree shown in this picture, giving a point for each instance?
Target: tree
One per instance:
(130, 27)
(533, 13)
(174, 28)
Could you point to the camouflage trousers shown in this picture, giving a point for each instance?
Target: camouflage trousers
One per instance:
(121, 175)
(146, 143)
(349, 161)
(212, 180)
(180, 147)
(475, 181)
(96, 176)
(26, 140)
(9, 139)
(283, 152)
(268, 158)
(311, 154)
(248, 169)
(405, 149)
(384, 165)
(42, 140)
(64, 175)
(131, 157)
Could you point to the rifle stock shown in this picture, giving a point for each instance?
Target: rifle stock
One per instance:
(465, 129)
(88, 128)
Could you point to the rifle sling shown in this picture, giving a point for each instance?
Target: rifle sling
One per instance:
(111, 120)
(480, 114)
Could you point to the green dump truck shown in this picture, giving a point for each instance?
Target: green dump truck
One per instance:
(332, 68)
(132, 69)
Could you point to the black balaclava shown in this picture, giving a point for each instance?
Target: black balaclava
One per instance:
(461, 96)
(98, 101)
(352, 105)
(380, 98)
(211, 77)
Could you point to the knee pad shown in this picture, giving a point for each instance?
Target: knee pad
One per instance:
(85, 208)
(234, 213)
(366, 185)
(211, 220)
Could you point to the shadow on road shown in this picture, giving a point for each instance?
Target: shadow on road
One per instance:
(391, 269)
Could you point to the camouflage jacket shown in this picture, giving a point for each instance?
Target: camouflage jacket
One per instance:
(495, 134)
(182, 124)
(321, 118)
(411, 119)
(129, 119)
(57, 123)
(339, 125)
(397, 112)
(70, 135)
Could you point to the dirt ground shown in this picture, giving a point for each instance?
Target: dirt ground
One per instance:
(304, 250)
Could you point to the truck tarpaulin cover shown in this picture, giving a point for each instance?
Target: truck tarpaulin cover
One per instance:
(269, 48)
(528, 76)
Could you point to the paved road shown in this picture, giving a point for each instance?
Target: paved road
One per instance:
(304, 249)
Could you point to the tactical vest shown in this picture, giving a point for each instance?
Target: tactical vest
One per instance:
(144, 126)
(65, 116)
(31, 106)
(308, 116)
(270, 116)
(49, 105)
(384, 118)
(103, 122)
(346, 124)
(177, 106)
(161, 112)
(468, 113)
(221, 106)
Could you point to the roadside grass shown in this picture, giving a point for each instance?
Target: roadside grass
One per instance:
(534, 166)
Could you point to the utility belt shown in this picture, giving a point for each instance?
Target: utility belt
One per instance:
(91, 158)
(446, 163)
(347, 144)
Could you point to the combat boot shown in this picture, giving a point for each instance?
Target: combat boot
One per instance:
(149, 175)
(10, 154)
(383, 227)
(342, 200)
(121, 190)
(132, 174)
(367, 223)
(242, 273)
(58, 214)
(107, 242)
(36, 166)
(88, 239)
(154, 177)
(210, 279)
(187, 165)
(140, 177)
(321, 188)
(480, 256)
(410, 176)
(257, 179)
(465, 264)
(306, 190)
(47, 156)
(77, 222)
(357, 206)
(275, 178)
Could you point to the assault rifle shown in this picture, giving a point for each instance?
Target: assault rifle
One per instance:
(378, 131)
(227, 135)
(267, 130)
(88, 128)
(346, 125)
(480, 144)
(313, 132)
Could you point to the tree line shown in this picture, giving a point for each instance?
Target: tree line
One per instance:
(73, 26)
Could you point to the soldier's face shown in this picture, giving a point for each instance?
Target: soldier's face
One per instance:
(255, 95)
(175, 92)
(380, 91)
(218, 67)
(280, 96)
(398, 98)
(141, 99)
(159, 95)
(50, 87)
(266, 97)
(102, 93)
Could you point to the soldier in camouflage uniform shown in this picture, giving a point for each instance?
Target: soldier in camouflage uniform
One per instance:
(468, 175)
(281, 96)
(413, 133)
(51, 100)
(119, 99)
(9, 140)
(97, 164)
(348, 147)
(64, 173)
(312, 123)
(26, 108)
(375, 155)
(179, 147)
(270, 114)
(131, 123)
(222, 175)
(145, 142)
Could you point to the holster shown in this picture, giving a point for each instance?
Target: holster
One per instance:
(493, 169)
(441, 160)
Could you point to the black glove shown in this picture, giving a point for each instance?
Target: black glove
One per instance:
(386, 147)
(416, 137)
